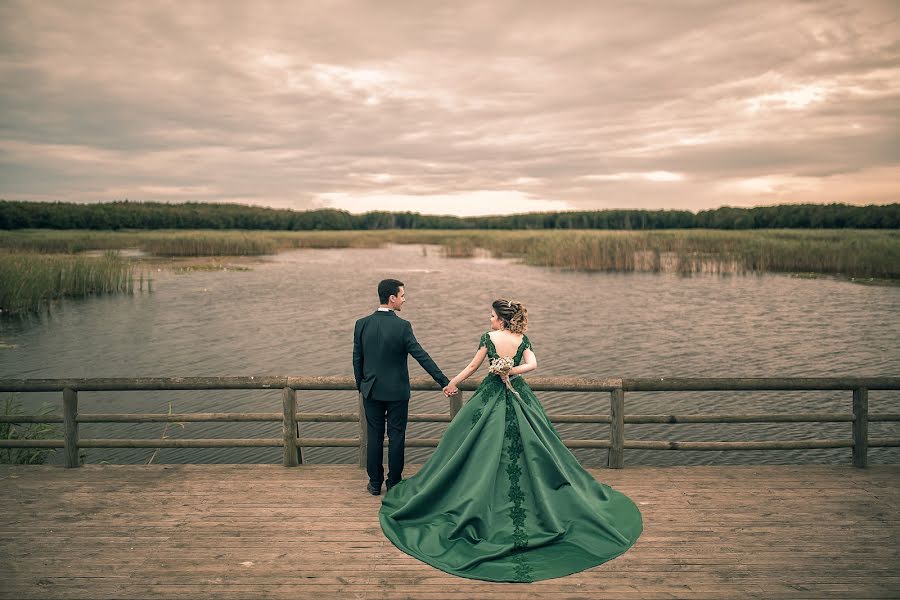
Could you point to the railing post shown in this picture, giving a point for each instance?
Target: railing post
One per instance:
(456, 403)
(299, 449)
(292, 455)
(70, 422)
(860, 427)
(363, 433)
(616, 456)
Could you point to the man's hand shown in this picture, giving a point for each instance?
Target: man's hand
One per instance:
(450, 390)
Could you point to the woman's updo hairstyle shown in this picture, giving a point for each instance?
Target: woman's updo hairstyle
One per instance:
(512, 313)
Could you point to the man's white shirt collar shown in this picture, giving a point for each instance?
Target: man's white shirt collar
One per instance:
(383, 309)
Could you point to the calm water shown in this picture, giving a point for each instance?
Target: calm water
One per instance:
(293, 315)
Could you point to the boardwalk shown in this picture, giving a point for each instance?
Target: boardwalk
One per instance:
(265, 531)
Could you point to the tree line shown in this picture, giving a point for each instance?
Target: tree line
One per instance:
(155, 215)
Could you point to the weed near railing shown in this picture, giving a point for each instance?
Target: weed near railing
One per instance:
(25, 431)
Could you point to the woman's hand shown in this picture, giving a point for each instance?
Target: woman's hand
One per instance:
(450, 390)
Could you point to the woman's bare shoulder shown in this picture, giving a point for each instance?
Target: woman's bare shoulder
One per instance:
(500, 335)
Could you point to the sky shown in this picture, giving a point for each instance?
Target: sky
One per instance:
(458, 108)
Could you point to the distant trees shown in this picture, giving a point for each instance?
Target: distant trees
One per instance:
(802, 216)
(154, 215)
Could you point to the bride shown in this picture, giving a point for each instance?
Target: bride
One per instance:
(501, 498)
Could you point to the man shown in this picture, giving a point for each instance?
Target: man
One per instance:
(381, 343)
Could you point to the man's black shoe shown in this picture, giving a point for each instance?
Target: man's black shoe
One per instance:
(373, 489)
(388, 485)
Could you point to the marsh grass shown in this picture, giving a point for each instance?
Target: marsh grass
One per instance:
(160, 243)
(209, 244)
(851, 253)
(846, 252)
(26, 431)
(29, 282)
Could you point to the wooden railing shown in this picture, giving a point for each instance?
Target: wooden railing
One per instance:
(292, 442)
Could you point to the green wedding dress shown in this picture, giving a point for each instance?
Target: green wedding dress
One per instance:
(502, 499)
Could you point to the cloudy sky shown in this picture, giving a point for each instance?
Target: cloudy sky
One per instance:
(451, 108)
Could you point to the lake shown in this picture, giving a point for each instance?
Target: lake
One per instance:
(293, 314)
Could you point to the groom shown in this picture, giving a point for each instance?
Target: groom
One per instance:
(381, 343)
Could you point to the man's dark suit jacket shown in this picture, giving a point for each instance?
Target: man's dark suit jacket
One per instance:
(381, 343)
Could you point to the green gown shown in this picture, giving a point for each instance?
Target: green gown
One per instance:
(502, 499)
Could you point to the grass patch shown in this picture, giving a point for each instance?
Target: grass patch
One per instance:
(213, 266)
(851, 253)
(26, 431)
(29, 282)
(208, 244)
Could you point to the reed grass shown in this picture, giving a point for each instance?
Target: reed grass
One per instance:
(26, 431)
(208, 244)
(29, 282)
(849, 253)
(846, 252)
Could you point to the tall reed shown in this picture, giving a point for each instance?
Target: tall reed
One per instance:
(28, 282)
(874, 254)
(208, 244)
(852, 253)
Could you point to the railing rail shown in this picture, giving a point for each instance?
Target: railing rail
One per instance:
(292, 443)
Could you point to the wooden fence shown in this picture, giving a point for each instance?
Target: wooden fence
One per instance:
(292, 442)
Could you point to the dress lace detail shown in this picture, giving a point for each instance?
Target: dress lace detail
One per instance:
(513, 441)
(485, 340)
(492, 353)
(523, 345)
(516, 495)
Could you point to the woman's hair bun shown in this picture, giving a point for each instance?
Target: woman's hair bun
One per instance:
(513, 314)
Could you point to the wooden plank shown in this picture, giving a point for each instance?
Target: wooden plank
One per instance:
(456, 403)
(291, 455)
(537, 383)
(860, 427)
(363, 432)
(70, 413)
(755, 531)
(719, 446)
(812, 417)
(616, 454)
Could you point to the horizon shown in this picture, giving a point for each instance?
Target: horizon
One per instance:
(471, 110)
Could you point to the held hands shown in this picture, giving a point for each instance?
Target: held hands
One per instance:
(450, 390)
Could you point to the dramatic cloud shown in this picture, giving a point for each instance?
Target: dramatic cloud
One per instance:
(451, 108)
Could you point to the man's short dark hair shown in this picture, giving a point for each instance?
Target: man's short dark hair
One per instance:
(388, 288)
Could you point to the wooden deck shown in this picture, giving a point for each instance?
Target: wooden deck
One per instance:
(265, 531)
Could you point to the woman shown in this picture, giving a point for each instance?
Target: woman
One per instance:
(501, 498)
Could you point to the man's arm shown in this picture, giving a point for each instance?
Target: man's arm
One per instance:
(417, 352)
(357, 354)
